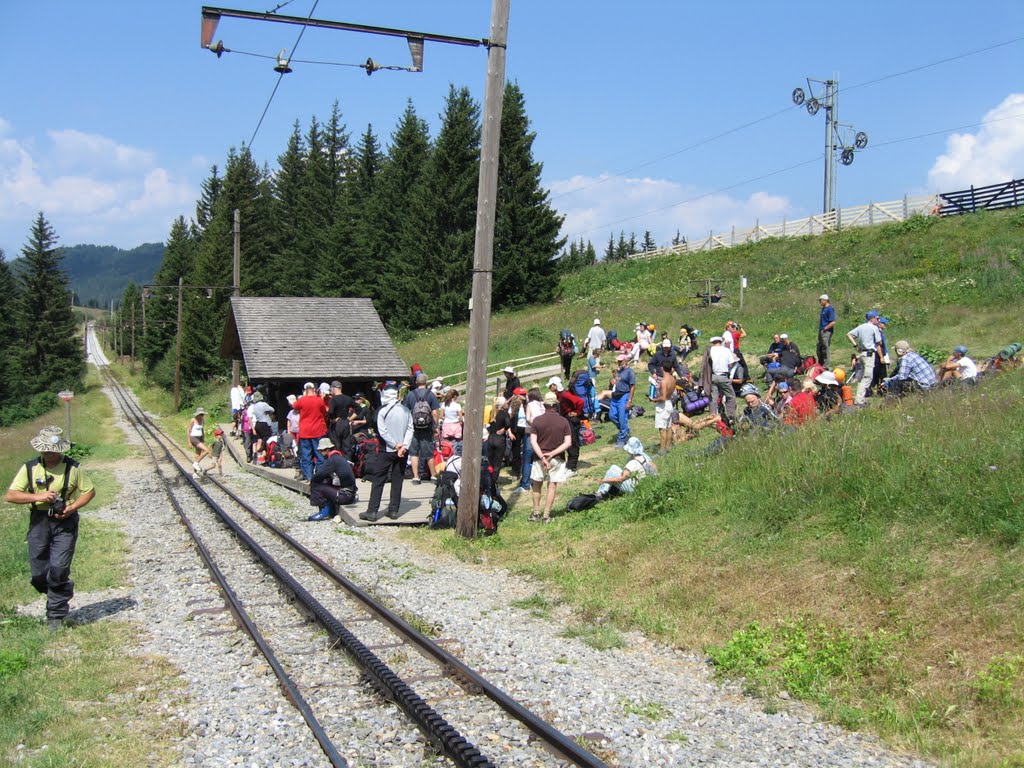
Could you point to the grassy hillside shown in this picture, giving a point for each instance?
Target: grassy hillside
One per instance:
(872, 564)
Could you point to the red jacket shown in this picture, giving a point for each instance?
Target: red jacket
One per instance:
(569, 404)
(312, 412)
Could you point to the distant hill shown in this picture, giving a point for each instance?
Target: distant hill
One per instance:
(99, 273)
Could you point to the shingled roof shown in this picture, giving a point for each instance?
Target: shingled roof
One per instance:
(306, 338)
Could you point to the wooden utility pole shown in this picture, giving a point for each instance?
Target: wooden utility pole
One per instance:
(483, 259)
(133, 336)
(236, 279)
(177, 352)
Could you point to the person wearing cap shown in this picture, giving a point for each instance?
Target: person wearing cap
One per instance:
(881, 359)
(421, 449)
(596, 338)
(395, 430)
(359, 422)
(867, 338)
(665, 353)
(826, 327)
(196, 432)
(312, 412)
(55, 487)
(621, 480)
(715, 378)
(623, 389)
(550, 438)
(340, 405)
(783, 396)
(264, 423)
(237, 399)
(333, 482)
(958, 368)
(912, 373)
(511, 382)
(757, 414)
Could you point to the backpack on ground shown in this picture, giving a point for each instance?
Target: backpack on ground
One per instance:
(581, 502)
(272, 456)
(444, 505)
(422, 413)
(582, 384)
(610, 339)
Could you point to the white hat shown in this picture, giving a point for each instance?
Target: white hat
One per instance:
(325, 444)
(508, 369)
(309, 385)
(596, 321)
(783, 335)
(823, 297)
(716, 339)
(50, 440)
(827, 377)
(666, 342)
(324, 387)
(556, 382)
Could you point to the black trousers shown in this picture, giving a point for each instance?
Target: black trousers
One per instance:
(322, 494)
(572, 456)
(390, 466)
(51, 547)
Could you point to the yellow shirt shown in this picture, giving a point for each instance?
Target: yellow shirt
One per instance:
(52, 480)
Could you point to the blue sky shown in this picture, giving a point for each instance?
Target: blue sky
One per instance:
(112, 114)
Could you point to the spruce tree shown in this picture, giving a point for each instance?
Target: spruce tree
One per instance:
(316, 209)
(49, 353)
(162, 301)
(609, 250)
(204, 206)
(526, 235)
(648, 243)
(9, 382)
(286, 192)
(387, 216)
(437, 260)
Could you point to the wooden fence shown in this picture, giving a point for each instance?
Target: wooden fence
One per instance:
(1004, 195)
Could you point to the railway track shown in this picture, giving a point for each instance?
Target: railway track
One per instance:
(324, 637)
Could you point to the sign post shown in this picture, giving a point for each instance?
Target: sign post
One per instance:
(67, 397)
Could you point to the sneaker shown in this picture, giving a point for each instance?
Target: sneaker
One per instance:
(546, 520)
(416, 481)
(323, 514)
(196, 467)
(196, 476)
(535, 517)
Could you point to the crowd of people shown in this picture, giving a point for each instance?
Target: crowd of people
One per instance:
(411, 430)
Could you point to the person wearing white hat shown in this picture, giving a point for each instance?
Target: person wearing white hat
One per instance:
(56, 487)
(596, 337)
(828, 397)
(826, 326)
(622, 480)
(511, 381)
(623, 389)
(312, 412)
(333, 482)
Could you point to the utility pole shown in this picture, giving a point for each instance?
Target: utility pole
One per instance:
(483, 259)
(133, 336)
(236, 279)
(177, 352)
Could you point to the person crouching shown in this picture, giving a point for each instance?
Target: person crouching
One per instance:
(333, 482)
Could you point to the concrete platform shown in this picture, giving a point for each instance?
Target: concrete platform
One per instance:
(414, 508)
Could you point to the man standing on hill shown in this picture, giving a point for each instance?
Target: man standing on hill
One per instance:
(312, 412)
(395, 428)
(867, 338)
(550, 439)
(596, 338)
(826, 325)
(623, 390)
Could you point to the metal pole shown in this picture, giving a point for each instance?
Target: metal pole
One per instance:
(236, 278)
(67, 419)
(831, 116)
(483, 258)
(177, 353)
(743, 282)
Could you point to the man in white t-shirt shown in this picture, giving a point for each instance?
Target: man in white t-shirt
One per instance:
(721, 359)
(237, 397)
(867, 338)
(958, 367)
(596, 338)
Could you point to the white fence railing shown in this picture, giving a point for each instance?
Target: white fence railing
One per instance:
(833, 221)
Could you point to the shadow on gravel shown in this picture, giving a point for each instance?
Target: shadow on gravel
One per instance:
(87, 614)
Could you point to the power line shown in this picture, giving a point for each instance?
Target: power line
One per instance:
(281, 74)
(947, 130)
(723, 134)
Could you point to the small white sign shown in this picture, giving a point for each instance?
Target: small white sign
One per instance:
(743, 282)
(66, 396)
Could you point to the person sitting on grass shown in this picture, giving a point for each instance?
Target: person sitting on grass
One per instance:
(685, 428)
(618, 480)
(912, 374)
(758, 414)
(958, 368)
(828, 397)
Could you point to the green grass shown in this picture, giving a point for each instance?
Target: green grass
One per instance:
(873, 564)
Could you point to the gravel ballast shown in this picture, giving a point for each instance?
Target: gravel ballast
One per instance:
(640, 705)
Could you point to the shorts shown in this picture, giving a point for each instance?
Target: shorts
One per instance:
(262, 430)
(195, 442)
(422, 446)
(556, 472)
(663, 415)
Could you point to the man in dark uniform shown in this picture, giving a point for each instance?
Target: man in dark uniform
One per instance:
(323, 493)
(511, 381)
(56, 488)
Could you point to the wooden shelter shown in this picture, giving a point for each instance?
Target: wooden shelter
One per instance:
(286, 341)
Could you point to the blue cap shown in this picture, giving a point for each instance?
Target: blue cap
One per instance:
(774, 366)
(883, 320)
(783, 386)
(871, 314)
(960, 350)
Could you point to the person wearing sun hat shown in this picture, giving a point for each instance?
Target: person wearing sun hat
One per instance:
(826, 327)
(55, 487)
(196, 432)
(596, 338)
(624, 479)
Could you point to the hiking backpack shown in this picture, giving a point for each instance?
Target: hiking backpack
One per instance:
(367, 456)
(422, 413)
(444, 506)
(566, 343)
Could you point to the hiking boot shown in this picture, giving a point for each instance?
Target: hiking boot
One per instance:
(53, 625)
(394, 515)
(368, 517)
(323, 514)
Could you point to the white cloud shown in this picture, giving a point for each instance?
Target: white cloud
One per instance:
(594, 207)
(89, 187)
(995, 153)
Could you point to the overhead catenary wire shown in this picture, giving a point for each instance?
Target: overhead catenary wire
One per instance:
(280, 76)
(723, 134)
